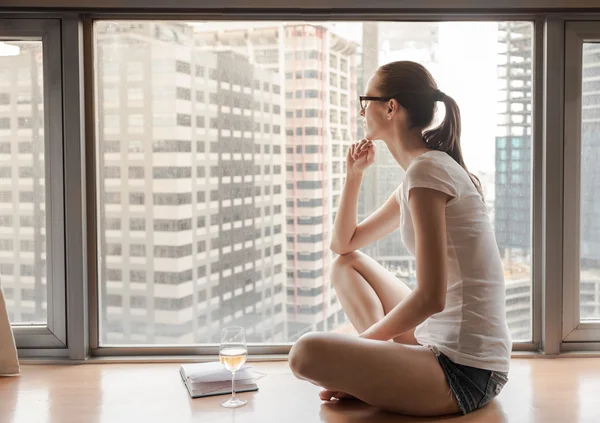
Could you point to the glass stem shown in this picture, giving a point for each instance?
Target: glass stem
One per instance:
(232, 385)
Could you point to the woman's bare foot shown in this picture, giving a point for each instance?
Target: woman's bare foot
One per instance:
(328, 394)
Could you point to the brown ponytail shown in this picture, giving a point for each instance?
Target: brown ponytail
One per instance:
(446, 137)
(415, 89)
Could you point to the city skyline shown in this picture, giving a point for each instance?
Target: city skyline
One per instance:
(471, 79)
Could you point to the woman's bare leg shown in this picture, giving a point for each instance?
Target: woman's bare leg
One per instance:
(400, 378)
(367, 292)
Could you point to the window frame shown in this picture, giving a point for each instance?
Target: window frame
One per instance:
(548, 208)
(51, 337)
(283, 348)
(573, 330)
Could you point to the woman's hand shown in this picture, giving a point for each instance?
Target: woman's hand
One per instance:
(360, 156)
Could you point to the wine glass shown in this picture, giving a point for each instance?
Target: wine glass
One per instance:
(233, 353)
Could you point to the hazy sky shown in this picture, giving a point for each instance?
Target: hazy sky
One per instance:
(467, 71)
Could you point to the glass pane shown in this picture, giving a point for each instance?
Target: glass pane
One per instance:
(510, 204)
(589, 298)
(22, 182)
(223, 211)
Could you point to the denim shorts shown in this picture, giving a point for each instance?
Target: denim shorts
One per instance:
(473, 388)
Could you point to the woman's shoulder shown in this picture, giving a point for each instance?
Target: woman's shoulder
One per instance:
(438, 165)
(431, 165)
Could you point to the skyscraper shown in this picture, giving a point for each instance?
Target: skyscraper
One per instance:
(513, 142)
(512, 207)
(191, 200)
(319, 71)
(23, 204)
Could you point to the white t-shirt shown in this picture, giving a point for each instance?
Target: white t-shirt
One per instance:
(472, 328)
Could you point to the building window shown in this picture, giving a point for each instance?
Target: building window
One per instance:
(136, 198)
(182, 67)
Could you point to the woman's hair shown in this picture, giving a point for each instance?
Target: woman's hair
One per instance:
(415, 89)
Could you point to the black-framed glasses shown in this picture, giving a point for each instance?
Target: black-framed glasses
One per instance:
(364, 98)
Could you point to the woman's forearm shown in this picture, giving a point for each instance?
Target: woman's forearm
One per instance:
(408, 314)
(346, 217)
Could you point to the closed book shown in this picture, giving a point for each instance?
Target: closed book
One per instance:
(209, 379)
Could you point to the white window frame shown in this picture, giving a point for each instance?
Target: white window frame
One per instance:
(573, 329)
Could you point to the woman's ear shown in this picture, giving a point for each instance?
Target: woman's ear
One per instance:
(393, 107)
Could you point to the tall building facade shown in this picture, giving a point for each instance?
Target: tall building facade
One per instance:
(513, 140)
(590, 149)
(191, 207)
(23, 271)
(319, 73)
(512, 206)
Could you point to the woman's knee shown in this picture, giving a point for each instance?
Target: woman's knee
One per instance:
(341, 263)
(304, 353)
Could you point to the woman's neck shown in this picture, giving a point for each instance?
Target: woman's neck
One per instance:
(405, 146)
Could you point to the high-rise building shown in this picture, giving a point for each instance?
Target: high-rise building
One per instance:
(191, 210)
(23, 233)
(319, 72)
(512, 206)
(590, 149)
(513, 140)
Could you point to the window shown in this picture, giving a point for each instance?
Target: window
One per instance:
(183, 94)
(136, 198)
(25, 123)
(183, 67)
(184, 120)
(24, 236)
(171, 146)
(198, 214)
(137, 224)
(581, 290)
(166, 199)
(171, 172)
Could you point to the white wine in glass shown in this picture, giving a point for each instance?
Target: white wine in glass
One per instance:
(233, 354)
